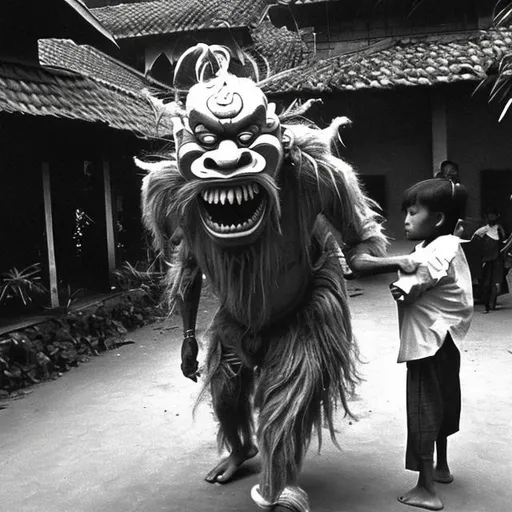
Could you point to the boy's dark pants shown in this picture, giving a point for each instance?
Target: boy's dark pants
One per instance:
(433, 402)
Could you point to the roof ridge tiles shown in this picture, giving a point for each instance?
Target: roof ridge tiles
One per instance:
(423, 61)
(157, 17)
(92, 63)
(41, 91)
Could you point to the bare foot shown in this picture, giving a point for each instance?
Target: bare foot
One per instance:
(226, 468)
(420, 497)
(443, 476)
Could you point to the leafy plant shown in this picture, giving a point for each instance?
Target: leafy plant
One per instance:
(72, 297)
(21, 285)
(503, 12)
(148, 281)
(500, 73)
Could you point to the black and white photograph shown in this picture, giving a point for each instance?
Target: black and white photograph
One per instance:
(255, 255)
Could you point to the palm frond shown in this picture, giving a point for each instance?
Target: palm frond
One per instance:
(505, 109)
(504, 15)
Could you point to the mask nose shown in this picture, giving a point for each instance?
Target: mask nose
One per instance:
(226, 156)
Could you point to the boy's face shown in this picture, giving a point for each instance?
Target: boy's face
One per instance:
(420, 223)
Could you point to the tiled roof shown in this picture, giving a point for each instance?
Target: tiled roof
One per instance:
(301, 2)
(170, 16)
(282, 48)
(40, 91)
(406, 62)
(90, 62)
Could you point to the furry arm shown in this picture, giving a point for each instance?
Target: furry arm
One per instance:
(336, 187)
(354, 216)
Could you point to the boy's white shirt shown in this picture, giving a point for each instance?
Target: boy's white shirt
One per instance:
(437, 299)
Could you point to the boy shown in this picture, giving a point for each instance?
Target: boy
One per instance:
(435, 307)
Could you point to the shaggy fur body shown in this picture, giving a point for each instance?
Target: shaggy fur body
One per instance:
(282, 337)
(297, 366)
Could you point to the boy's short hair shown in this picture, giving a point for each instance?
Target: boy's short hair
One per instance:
(439, 195)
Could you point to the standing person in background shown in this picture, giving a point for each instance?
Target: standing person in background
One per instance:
(449, 170)
(493, 281)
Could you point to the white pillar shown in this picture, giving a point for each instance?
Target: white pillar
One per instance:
(439, 129)
(48, 218)
(109, 222)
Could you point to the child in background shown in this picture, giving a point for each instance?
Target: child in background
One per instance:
(435, 307)
(493, 261)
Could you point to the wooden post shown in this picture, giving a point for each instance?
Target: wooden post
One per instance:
(109, 222)
(52, 267)
(439, 129)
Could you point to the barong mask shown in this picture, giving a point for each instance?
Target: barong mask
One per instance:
(229, 144)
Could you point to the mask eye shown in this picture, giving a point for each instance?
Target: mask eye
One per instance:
(247, 137)
(207, 139)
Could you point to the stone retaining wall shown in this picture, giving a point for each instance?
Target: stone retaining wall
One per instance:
(46, 349)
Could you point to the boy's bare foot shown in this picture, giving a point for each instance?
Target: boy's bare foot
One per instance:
(443, 475)
(420, 497)
(226, 468)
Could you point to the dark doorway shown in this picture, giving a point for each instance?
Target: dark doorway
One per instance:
(79, 225)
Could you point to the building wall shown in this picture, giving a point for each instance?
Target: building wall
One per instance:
(391, 137)
(479, 143)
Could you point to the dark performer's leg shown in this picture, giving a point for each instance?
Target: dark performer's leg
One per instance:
(285, 425)
(231, 401)
(308, 367)
(231, 384)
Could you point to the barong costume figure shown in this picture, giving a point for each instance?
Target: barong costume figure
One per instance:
(261, 208)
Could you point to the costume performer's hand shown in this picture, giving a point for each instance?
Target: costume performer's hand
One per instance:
(189, 351)
(408, 264)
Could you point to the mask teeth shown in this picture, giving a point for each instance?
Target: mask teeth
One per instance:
(239, 194)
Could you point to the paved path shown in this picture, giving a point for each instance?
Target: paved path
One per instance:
(116, 434)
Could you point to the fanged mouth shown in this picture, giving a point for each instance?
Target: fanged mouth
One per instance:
(233, 211)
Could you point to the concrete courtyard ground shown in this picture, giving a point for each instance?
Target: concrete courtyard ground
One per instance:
(117, 434)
